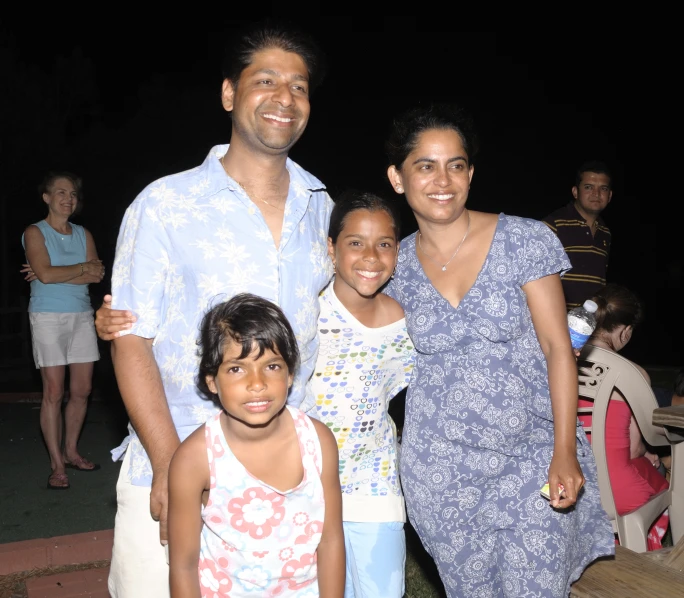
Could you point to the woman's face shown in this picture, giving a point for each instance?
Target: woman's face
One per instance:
(62, 198)
(435, 176)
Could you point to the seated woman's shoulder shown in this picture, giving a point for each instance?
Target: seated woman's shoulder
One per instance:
(644, 373)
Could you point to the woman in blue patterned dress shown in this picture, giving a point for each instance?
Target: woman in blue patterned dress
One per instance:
(491, 410)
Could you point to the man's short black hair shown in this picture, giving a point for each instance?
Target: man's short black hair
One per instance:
(268, 34)
(595, 166)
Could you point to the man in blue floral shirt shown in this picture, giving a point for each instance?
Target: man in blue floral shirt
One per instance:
(247, 219)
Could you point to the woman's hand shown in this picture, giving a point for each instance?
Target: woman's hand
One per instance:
(565, 469)
(654, 459)
(30, 276)
(110, 322)
(94, 268)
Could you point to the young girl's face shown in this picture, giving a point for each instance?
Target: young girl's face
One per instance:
(253, 390)
(365, 253)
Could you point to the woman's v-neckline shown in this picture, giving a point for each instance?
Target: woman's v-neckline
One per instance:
(479, 273)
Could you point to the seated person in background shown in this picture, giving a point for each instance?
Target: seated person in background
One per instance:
(671, 396)
(633, 470)
(667, 397)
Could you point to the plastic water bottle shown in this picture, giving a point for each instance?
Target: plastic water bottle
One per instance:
(582, 322)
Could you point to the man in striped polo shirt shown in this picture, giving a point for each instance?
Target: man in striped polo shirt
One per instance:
(583, 233)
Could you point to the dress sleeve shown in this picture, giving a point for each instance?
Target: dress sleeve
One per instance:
(141, 267)
(541, 253)
(391, 289)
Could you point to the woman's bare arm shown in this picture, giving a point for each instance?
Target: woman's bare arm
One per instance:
(547, 307)
(90, 271)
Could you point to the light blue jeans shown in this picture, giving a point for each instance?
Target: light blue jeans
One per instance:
(376, 559)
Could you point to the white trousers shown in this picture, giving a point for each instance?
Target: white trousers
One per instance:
(139, 567)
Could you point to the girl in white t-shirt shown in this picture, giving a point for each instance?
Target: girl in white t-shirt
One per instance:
(365, 359)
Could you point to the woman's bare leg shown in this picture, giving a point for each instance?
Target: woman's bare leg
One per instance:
(80, 385)
(51, 414)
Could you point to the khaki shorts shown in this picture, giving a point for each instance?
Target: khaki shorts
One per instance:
(63, 338)
(140, 564)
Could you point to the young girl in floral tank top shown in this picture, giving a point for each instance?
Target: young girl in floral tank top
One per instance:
(254, 494)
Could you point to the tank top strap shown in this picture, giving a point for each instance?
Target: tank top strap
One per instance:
(216, 446)
(79, 233)
(309, 444)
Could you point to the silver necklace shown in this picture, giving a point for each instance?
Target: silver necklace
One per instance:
(444, 266)
(247, 192)
(259, 198)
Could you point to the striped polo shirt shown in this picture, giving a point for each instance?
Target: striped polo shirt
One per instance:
(588, 254)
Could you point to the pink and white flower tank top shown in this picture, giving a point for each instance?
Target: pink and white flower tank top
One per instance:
(256, 540)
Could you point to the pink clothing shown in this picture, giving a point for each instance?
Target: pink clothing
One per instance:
(257, 540)
(633, 481)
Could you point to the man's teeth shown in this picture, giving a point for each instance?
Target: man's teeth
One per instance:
(280, 119)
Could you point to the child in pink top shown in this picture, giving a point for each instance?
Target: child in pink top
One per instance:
(254, 494)
(633, 470)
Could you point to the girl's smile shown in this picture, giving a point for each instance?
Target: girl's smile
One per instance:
(364, 255)
(254, 385)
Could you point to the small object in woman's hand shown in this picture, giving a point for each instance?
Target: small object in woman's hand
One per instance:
(545, 490)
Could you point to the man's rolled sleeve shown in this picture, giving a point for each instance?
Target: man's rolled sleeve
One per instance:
(141, 267)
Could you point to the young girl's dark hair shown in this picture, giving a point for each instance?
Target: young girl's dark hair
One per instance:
(249, 320)
(617, 306)
(352, 200)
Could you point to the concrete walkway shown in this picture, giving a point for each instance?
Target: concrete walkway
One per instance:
(42, 528)
(28, 509)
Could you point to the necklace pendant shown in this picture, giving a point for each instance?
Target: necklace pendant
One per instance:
(444, 268)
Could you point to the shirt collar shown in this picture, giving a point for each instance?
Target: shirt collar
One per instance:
(216, 175)
(574, 210)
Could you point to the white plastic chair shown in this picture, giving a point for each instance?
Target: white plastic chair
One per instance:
(600, 372)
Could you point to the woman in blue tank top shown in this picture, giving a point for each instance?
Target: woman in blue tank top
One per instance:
(62, 262)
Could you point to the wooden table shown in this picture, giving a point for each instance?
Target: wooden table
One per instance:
(628, 575)
(672, 416)
(631, 574)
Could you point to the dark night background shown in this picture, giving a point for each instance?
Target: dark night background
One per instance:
(124, 102)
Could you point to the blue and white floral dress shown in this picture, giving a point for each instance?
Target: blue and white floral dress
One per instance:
(478, 431)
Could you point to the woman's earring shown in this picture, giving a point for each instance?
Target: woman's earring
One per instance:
(334, 267)
(400, 189)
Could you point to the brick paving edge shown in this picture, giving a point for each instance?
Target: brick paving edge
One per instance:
(36, 397)
(39, 553)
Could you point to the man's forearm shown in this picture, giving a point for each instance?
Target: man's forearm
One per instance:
(140, 385)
